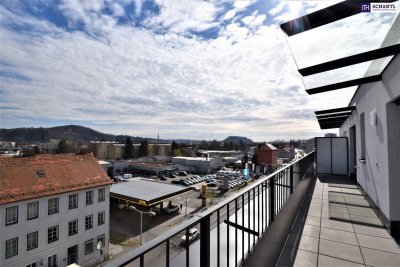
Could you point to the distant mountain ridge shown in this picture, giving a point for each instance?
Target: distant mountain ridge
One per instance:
(67, 132)
(237, 139)
(85, 134)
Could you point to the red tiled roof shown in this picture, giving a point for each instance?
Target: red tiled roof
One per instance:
(20, 178)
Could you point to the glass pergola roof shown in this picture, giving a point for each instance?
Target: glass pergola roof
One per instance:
(340, 47)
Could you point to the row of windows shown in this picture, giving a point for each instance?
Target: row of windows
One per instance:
(52, 234)
(53, 206)
(32, 242)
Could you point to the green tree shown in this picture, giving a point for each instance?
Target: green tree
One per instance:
(144, 148)
(174, 146)
(128, 151)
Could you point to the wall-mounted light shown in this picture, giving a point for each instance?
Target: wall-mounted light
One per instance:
(372, 117)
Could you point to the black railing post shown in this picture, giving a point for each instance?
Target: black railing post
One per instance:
(291, 178)
(205, 241)
(272, 198)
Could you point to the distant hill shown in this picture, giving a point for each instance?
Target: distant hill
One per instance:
(85, 134)
(237, 139)
(68, 132)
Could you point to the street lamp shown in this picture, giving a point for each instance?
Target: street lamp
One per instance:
(149, 213)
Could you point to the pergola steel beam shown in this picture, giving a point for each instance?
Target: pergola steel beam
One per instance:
(351, 60)
(334, 116)
(349, 83)
(334, 110)
(325, 16)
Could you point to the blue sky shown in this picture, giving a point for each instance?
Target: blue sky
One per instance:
(183, 68)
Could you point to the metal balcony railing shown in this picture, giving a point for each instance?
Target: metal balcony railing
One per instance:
(229, 230)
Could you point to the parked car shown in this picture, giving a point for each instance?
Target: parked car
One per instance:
(182, 173)
(172, 175)
(163, 178)
(176, 182)
(172, 209)
(193, 235)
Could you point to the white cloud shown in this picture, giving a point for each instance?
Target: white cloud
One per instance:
(181, 16)
(140, 82)
(278, 9)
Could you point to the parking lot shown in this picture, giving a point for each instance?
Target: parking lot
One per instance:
(125, 224)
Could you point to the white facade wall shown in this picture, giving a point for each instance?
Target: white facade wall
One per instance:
(44, 221)
(379, 176)
(202, 165)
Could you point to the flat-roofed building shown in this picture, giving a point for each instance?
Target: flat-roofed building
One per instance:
(54, 210)
(201, 165)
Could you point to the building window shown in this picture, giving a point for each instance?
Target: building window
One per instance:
(12, 215)
(89, 246)
(100, 218)
(102, 239)
(73, 201)
(53, 206)
(52, 261)
(34, 264)
(11, 247)
(102, 194)
(88, 222)
(33, 210)
(89, 197)
(362, 133)
(31, 241)
(52, 234)
(73, 227)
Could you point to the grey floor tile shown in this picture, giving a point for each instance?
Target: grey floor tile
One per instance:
(315, 206)
(357, 202)
(340, 208)
(374, 257)
(365, 220)
(316, 201)
(313, 220)
(314, 212)
(311, 230)
(339, 225)
(366, 212)
(340, 250)
(297, 257)
(304, 242)
(339, 236)
(373, 231)
(378, 243)
(326, 261)
(335, 215)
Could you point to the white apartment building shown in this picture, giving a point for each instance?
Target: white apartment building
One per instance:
(54, 211)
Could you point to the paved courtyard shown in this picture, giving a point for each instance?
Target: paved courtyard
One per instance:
(336, 226)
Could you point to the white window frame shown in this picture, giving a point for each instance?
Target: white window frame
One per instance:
(32, 243)
(11, 215)
(89, 197)
(73, 201)
(101, 215)
(51, 233)
(51, 208)
(71, 226)
(50, 259)
(11, 248)
(35, 206)
(87, 245)
(102, 195)
(88, 222)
